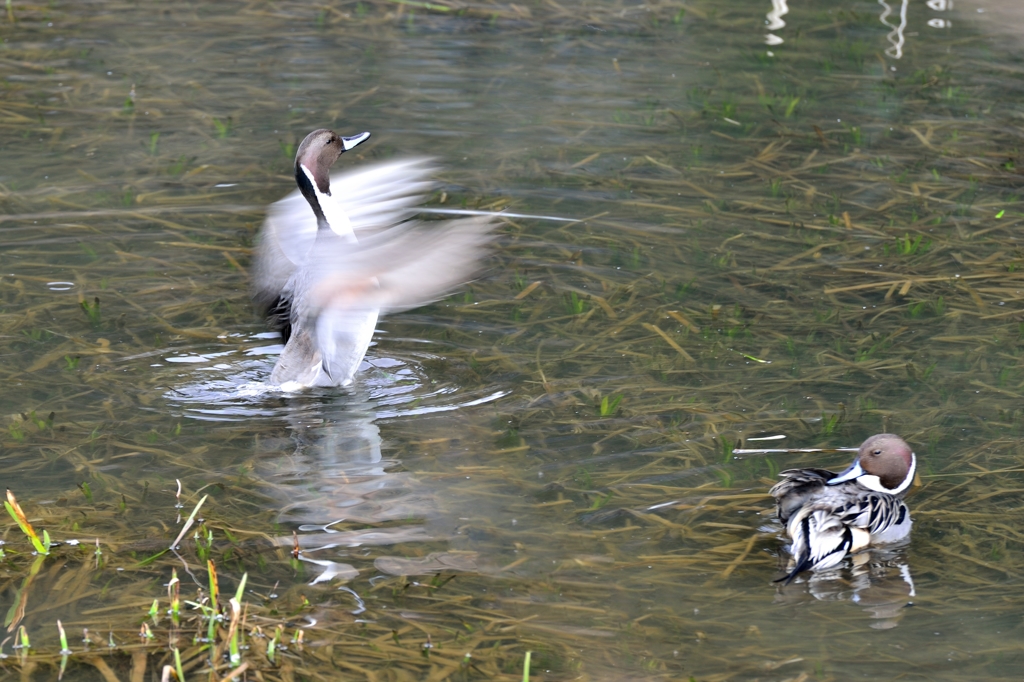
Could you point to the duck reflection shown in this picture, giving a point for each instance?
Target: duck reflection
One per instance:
(323, 470)
(329, 475)
(877, 580)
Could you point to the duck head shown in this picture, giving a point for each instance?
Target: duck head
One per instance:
(885, 463)
(313, 162)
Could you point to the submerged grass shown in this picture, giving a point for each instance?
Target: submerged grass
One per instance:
(191, 630)
(741, 265)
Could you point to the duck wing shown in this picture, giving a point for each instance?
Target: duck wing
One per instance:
(796, 487)
(876, 513)
(401, 268)
(384, 194)
(344, 286)
(366, 200)
(824, 532)
(820, 540)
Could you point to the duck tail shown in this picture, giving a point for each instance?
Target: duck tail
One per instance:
(820, 541)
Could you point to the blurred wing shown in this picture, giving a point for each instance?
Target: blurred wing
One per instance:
(383, 195)
(287, 234)
(407, 266)
(374, 198)
(435, 261)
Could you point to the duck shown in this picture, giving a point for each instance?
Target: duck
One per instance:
(829, 515)
(342, 250)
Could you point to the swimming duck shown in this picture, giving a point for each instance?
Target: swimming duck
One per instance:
(829, 515)
(340, 251)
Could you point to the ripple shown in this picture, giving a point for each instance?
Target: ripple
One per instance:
(234, 385)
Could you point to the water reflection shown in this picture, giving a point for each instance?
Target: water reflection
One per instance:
(940, 6)
(334, 486)
(329, 469)
(897, 31)
(330, 482)
(878, 581)
(325, 474)
(775, 22)
(895, 36)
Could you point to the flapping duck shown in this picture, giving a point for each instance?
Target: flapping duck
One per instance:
(341, 251)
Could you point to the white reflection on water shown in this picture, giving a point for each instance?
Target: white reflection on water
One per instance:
(775, 22)
(940, 6)
(895, 36)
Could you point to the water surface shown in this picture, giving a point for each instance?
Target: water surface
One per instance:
(750, 220)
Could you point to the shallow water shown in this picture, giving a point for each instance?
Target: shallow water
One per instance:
(740, 229)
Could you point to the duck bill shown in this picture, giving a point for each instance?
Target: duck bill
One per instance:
(355, 140)
(850, 474)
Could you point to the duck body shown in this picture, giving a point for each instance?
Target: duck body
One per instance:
(342, 250)
(829, 516)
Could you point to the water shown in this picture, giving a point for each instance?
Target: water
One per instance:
(742, 229)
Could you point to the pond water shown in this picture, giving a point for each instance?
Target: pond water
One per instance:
(727, 221)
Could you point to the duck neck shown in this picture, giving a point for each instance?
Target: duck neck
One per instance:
(307, 186)
(329, 215)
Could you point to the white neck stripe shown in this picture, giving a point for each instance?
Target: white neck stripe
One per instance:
(335, 216)
(910, 475)
(872, 482)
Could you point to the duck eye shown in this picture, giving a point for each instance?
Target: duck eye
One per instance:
(877, 452)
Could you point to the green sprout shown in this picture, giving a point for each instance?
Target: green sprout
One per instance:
(273, 644)
(234, 650)
(608, 407)
(908, 246)
(177, 665)
(727, 446)
(64, 650)
(42, 546)
(574, 304)
(92, 311)
(173, 588)
(223, 127)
